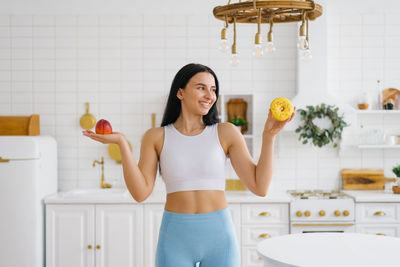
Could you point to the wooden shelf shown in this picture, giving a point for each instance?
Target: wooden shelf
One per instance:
(377, 111)
(378, 146)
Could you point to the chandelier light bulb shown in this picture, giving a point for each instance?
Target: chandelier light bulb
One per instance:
(257, 50)
(306, 54)
(302, 43)
(234, 59)
(270, 48)
(223, 45)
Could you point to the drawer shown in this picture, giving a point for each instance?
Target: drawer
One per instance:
(250, 257)
(251, 235)
(373, 229)
(265, 213)
(377, 213)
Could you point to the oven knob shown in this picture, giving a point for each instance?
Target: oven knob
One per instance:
(346, 213)
(337, 213)
(321, 213)
(307, 213)
(299, 214)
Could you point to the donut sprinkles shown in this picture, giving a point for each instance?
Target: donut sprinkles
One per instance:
(281, 108)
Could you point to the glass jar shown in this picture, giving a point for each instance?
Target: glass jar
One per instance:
(363, 101)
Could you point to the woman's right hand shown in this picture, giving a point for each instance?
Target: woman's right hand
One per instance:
(114, 138)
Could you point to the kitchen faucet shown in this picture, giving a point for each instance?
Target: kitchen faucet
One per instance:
(103, 184)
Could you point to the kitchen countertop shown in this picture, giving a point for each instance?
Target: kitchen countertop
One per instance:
(121, 196)
(373, 196)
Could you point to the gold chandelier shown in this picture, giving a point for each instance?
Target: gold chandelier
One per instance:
(268, 12)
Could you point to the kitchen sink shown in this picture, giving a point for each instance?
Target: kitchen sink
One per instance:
(97, 193)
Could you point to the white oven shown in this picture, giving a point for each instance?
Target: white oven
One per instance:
(325, 227)
(321, 212)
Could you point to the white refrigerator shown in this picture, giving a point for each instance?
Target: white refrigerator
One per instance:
(28, 173)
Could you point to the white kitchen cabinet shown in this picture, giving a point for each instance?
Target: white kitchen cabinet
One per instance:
(119, 235)
(379, 229)
(260, 221)
(152, 217)
(127, 234)
(378, 218)
(94, 235)
(69, 232)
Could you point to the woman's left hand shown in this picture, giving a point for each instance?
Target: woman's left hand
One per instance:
(273, 126)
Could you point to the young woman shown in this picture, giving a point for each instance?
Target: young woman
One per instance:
(191, 147)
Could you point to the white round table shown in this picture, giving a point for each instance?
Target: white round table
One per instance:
(330, 249)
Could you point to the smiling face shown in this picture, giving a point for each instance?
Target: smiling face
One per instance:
(199, 95)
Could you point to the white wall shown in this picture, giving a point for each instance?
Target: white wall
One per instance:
(122, 59)
(122, 56)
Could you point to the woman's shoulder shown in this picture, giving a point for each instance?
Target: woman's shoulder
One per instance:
(225, 126)
(154, 134)
(154, 137)
(227, 129)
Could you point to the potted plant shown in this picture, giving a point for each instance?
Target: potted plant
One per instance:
(239, 122)
(396, 170)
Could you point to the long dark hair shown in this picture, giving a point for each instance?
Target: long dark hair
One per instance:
(173, 108)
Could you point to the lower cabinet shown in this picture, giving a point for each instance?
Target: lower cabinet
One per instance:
(152, 216)
(94, 235)
(378, 219)
(261, 221)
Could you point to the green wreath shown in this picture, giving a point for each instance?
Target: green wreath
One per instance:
(321, 137)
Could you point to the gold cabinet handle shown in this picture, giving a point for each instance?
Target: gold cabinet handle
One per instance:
(4, 160)
(98, 247)
(346, 213)
(379, 213)
(299, 213)
(265, 213)
(337, 212)
(264, 236)
(89, 246)
(322, 213)
(380, 234)
(307, 213)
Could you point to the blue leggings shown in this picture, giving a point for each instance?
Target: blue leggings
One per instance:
(187, 238)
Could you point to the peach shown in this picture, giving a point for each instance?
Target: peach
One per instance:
(103, 127)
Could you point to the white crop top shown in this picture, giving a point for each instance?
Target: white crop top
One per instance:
(192, 162)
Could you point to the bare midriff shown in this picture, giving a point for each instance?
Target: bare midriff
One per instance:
(199, 201)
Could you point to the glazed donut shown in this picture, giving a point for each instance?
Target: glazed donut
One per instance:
(281, 108)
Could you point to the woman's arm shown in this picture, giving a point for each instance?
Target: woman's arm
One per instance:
(139, 178)
(256, 177)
